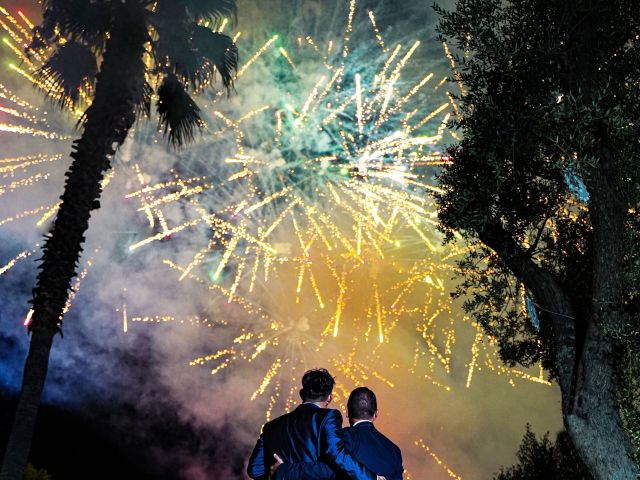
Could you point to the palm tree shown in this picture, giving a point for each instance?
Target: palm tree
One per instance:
(128, 53)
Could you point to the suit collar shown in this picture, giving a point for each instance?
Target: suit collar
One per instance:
(363, 423)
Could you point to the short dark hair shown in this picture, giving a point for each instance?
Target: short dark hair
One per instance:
(317, 385)
(362, 404)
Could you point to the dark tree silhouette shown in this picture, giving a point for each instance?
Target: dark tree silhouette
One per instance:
(118, 49)
(545, 185)
(545, 460)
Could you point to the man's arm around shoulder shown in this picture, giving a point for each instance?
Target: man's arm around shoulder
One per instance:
(256, 468)
(305, 471)
(336, 451)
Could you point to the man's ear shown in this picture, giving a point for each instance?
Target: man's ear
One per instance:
(375, 416)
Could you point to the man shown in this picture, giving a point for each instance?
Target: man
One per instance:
(310, 433)
(362, 439)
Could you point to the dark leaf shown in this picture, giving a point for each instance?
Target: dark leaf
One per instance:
(80, 20)
(179, 114)
(71, 67)
(213, 10)
(219, 50)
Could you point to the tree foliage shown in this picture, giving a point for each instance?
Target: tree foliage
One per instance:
(545, 185)
(542, 459)
(183, 55)
(33, 473)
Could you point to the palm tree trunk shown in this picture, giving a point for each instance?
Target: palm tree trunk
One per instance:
(119, 91)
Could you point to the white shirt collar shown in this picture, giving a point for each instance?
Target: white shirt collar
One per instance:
(360, 421)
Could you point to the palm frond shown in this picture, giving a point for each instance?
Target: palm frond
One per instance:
(69, 69)
(179, 114)
(219, 50)
(79, 20)
(143, 108)
(213, 10)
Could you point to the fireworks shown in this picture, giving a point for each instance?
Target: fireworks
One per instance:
(310, 204)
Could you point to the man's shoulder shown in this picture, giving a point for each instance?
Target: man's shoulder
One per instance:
(277, 421)
(323, 413)
(391, 445)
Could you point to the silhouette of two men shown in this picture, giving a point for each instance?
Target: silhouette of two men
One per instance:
(310, 444)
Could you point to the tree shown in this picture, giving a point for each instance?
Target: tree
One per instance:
(545, 186)
(143, 48)
(33, 473)
(545, 460)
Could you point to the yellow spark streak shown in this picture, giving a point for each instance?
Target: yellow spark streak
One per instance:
(252, 113)
(454, 67)
(222, 25)
(17, 258)
(318, 229)
(311, 97)
(125, 320)
(453, 104)
(19, 53)
(301, 277)
(236, 281)
(339, 308)
(227, 255)
(337, 111)
(256, 55)
(197, 260)
(166, 233)
(5, 127)
(415, 89)
(271, 373)
(158, 186)
(241, 174)
(14, 36)
(49, 213)
(420, 443)
(259, 349)
(420, 233)
(315, 288)
(254, 272)
(267, 200)
(25, 162)
(25, 182)
(15, 23)
(379, 315)
(24, 214)
(278, 219)
(349, 29)
(285, 54)
(377, 31)
(6, 94)
(76, 288)
(278, 123)
(172, 197)
(25, 19)
(327, 88)
(474, 357)
(28, 318)
(429, 117)
(359, 104)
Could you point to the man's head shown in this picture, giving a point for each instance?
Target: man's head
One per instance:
(362, 405)
(317, 386)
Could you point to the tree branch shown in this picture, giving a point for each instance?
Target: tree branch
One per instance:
(548, 292)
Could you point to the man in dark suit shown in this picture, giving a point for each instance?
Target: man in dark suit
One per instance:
(362, 439)
(309, 433)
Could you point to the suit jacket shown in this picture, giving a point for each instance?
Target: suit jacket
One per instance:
(366, 444)
(306, 434)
